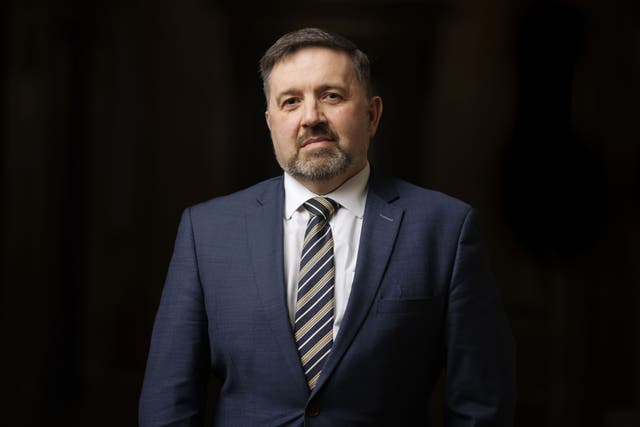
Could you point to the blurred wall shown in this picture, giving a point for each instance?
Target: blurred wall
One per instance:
(117, 115)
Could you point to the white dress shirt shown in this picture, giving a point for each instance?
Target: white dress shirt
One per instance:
(346, 225)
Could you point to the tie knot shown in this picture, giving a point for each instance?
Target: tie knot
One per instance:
(321, 206)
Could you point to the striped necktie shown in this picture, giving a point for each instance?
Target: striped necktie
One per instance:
(314, 305)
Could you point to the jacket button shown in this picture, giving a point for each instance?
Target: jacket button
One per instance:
(313, 411)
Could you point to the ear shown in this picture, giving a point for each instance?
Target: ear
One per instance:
(374, 111)
(268, 119)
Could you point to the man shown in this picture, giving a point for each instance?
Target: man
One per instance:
(329, 296)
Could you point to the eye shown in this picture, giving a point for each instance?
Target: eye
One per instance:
(289, 102)
(332, 97)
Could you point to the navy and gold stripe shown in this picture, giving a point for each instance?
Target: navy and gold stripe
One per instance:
(315, 301)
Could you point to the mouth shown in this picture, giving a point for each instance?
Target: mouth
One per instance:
(316, 140)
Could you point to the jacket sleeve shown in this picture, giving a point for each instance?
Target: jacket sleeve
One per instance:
(480, 350)
(174, 389)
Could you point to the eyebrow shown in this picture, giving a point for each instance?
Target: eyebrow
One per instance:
(325, 87)
(333, 86)
(286, 93)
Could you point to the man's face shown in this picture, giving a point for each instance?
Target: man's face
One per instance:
(320, 120)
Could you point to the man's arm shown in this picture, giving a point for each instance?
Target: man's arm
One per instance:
(174, 389)
(480, 359)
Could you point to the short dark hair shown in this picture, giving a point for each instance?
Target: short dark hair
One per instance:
(315, 37)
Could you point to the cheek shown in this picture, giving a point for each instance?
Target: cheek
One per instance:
(354, 130)
(351, 121)
(284, 139)
(285, 129)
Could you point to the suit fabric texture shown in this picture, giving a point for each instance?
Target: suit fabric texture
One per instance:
(422, 300)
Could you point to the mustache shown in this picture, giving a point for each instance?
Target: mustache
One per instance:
(319, 131)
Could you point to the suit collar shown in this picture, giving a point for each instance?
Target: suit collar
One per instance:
(383, 187)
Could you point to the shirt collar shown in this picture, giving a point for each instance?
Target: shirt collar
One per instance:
(351, 195)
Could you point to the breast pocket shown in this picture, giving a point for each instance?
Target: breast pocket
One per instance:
(426, 306)
(408, 324)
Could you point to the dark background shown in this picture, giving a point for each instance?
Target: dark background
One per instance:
(116, 115)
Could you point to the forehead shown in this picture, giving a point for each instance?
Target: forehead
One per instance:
(312, 65)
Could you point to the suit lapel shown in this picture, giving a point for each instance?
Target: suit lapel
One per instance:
(265, 229)
(379, 230)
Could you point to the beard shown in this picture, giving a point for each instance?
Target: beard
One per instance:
(318, 165)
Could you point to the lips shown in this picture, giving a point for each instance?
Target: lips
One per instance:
(316, 139)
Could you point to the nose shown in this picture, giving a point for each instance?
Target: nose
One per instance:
(312, 114)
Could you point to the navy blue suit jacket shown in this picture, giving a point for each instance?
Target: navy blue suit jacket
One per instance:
(422, 300)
